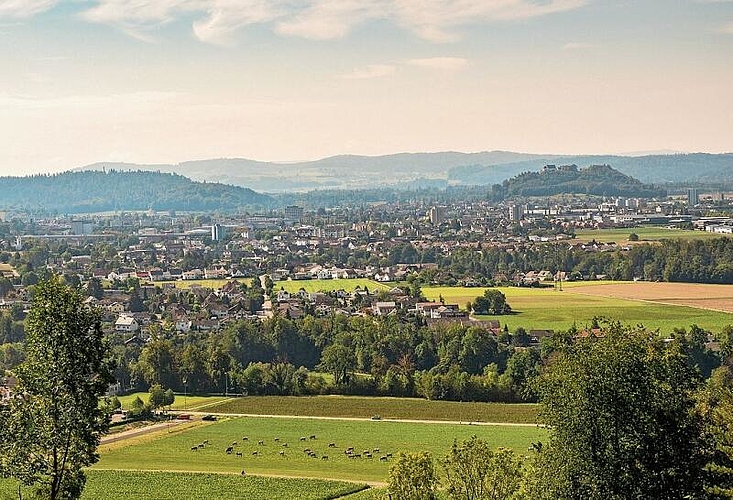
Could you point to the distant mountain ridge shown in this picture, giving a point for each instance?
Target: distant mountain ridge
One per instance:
(406, 170)
(111, 189)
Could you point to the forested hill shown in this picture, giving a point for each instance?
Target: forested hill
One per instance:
(600, 180)
(98, 191)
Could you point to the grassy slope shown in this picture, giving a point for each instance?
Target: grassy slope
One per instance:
(330, 285)
(172, 451)
(393, 408)
(188, 402)
(132, 485)
(551, 309)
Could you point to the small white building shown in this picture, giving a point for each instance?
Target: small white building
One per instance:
(126, 323)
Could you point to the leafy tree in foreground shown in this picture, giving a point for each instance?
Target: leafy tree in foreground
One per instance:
(51, 429)
(412, 477)
(719, 402)
(474, 472)
(623, 421)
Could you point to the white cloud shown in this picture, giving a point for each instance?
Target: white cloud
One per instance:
(435, 20)
(24, 8)
(226, 16)
(728, 28)
(440, 63)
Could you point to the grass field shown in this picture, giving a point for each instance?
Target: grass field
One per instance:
(188, 402)
(348, 285)
(559, 310)
(646, 234)
(137, 485)
(388, 408)
(213, 284)
(172, 452)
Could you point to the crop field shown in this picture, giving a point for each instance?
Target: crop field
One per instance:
(214, 284)
(348, 285)
(387, 408)
(645, 233)
(145, 485)
(714, 297)
(173, 452)
(559, 310)
(181, 402)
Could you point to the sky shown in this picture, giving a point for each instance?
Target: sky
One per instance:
(166, 81)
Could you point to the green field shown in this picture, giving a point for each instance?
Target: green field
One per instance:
(138, 485)
(645, 233)
(172, 452)
(546, 308)
(213, 284)
(387, 408)
(188, 402)
(330, 285)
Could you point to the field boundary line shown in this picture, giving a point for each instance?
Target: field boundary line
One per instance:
(378, 484)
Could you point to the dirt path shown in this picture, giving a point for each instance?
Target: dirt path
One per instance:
(120, 436)
(366, 419)
(376, 484)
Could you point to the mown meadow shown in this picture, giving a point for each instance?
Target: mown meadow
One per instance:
(173, 451)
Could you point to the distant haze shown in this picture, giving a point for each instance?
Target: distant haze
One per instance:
(169, 81)
(419, 170)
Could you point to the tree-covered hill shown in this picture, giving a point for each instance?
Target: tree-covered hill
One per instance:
(97, 191)
(600, 180)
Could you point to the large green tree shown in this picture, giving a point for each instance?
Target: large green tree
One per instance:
(623, 421)
(52, 428)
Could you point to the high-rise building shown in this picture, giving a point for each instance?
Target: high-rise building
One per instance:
(516, 213)
(218, 232)
(294, 213)
(436, 215)
(692, 196)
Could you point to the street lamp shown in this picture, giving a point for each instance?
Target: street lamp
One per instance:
(185, 392)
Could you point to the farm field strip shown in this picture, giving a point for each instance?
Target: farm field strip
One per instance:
(348, 285)
(174, 451)
(361, 407)
(163, 485)
(559, 310)
(187, 402)
(697, 295)
(646, 234)
(365, 419)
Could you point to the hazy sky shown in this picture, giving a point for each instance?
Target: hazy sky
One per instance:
(172, 80)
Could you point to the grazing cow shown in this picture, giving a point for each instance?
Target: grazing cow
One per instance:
(254, 453)
(368, 455)
(383, 458)
(245, 438)
(389, 455)
(282, 453)
(332, 445)
(194, 448)
(358, 455)
(206, 441)
(307, 451)
(376, 450)
(285, 445)
(235, 443)
(324, 457)
(243, 472)
(261, 442)
(302, 438)
(313, 436)
(239, 453)
(230, 450)
(277, 440)
(350, 448)
(201, 445)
